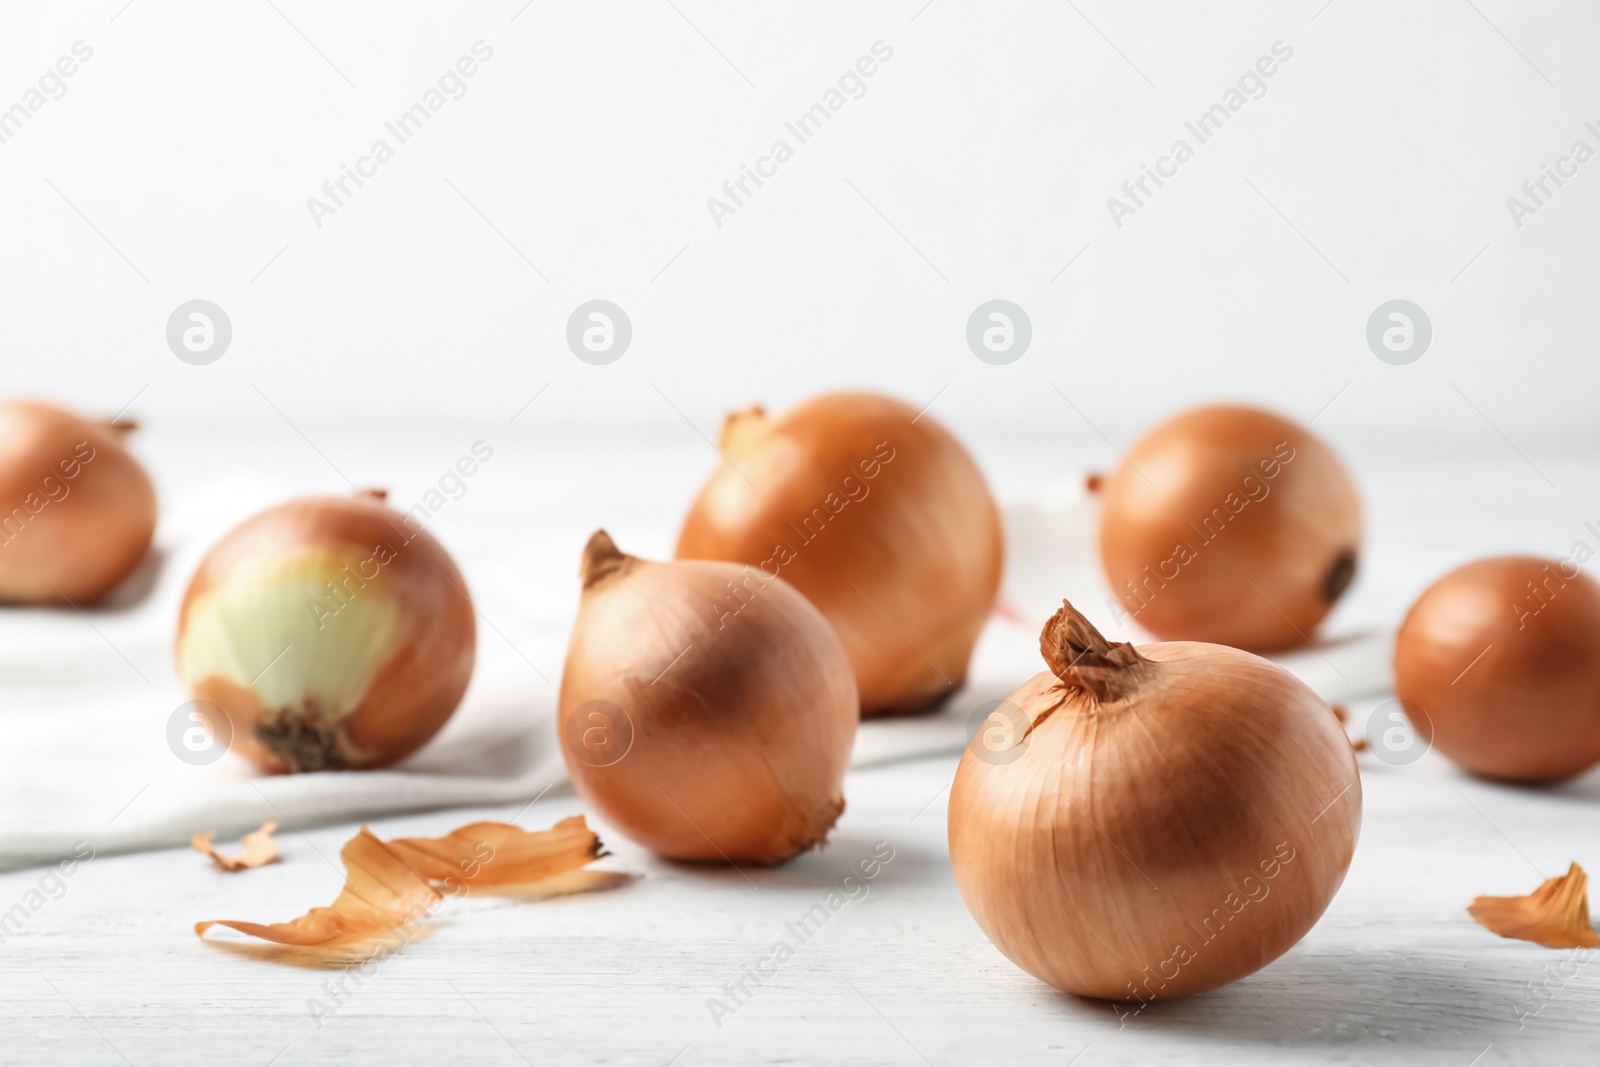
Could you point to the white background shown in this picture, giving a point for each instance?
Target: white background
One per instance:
(991, 142)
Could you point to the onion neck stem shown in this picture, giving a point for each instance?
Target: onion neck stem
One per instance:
(1083, 659)
(601, 559)
(741, 428)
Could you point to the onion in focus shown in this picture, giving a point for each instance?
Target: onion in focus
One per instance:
(78, 510)
(1230, 525)
(333, 632)
(1499, 661)
(879, 517)
(706, 712)
(1136, 824)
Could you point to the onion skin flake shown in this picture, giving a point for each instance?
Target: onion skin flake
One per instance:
(394, 887)
(1556, 915)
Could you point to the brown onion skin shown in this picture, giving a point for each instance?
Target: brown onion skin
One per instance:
(1506, 694)
(739, 748)
(1125, 822)
(422, 681)
(923, 548)
(82, 545)
(1278, 564)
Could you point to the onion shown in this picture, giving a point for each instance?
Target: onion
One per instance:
(1230, 525)
(707, 712)
(1499, 661)
(879, 517)
(331, 632)
(1145, 823)
(79, 511)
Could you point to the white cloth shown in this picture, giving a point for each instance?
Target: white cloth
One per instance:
(85, 696)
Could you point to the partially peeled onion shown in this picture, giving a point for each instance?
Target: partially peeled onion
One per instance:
(1232, 525)
(1498, 663)
(1138, 824)
(77, 511)
(706, 712)
(879, 516)
(332, 633)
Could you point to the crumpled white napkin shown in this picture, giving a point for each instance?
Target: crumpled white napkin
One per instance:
(86, 696)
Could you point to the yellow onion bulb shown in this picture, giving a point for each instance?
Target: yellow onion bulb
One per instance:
(880, 517)
(78, 512)
(1230, 525)
(1497, 664)
(331, 633)
(706, 712)
(1138, 824)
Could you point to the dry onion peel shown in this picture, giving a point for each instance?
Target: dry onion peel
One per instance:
(880, 517)
(77, 511)
(332, 632)
(1358, 744)
(1556, 915)
(484, 854)
(394, 885)
(1231, 525)
(259, 848)
(705, 712)
(381, 892)
(1154, 822)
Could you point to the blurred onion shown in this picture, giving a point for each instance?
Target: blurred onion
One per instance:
(1499, 662)
(78, 512)
(332, 632)
(880, 517)
(1230, 525)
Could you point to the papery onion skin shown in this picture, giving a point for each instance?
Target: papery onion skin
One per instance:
(1507, 680)
(1158, 786)
(68, 536)
(741, 723)
(1230, 525)
(904, 561)
(370, 670)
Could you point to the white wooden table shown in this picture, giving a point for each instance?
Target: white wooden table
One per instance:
(1395, 972)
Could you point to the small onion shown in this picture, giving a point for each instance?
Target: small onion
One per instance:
(332, 632)
(1499, 661)
(1230, 525)
(706, 712)
(1136, 824)
(78, 510)
(879, 517)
